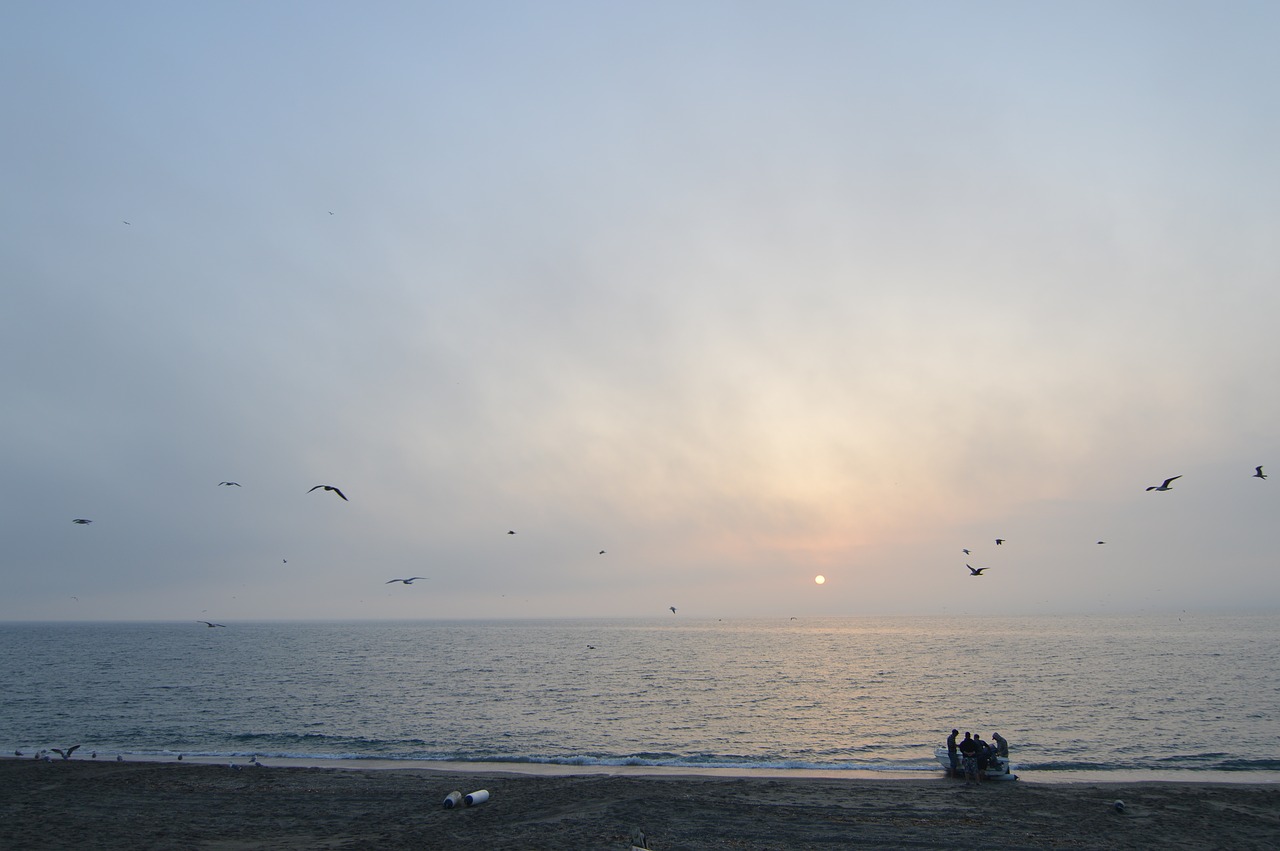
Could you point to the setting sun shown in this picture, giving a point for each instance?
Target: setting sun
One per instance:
(819, 579)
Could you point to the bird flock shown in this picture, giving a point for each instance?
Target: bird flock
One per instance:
(323, 488)
(1166, 485)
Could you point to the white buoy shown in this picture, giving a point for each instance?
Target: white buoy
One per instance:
(476, 798)
(452, 799)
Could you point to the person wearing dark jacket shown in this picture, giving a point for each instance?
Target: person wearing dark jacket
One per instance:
(969, 757)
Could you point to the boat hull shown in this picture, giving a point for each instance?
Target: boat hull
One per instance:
(997, 768)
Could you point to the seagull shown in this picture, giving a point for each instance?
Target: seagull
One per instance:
(1259, 474)
(511, 531)
(999, 541)
(1164, 486)
(331, 488)
(1101, 542)
(602, 552)
(966, 552)
(82, 521)
(125, 222)
(212, 625)
(232, 484)
(673, 610)
(67, 753)
(408, 581)
(976, 571)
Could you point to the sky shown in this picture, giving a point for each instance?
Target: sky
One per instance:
(740, 293)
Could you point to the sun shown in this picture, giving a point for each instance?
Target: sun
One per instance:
(819, 579)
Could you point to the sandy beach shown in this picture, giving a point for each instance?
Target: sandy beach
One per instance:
(99, 804)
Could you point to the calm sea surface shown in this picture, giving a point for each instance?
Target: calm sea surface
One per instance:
(1103, 694)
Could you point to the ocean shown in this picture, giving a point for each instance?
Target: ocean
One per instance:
(1193, 696)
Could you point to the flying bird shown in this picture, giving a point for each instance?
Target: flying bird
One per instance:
(602, 552)
(1101, 542)
(67, 753)
(673, 610)
(999, 541)
(1164, 486)
(232, 484)
(1259, 474)
(511, 531)
(408, 581)
(966, 552)
(82, 521)
(331, 488)
(212, 625)
(976, 571)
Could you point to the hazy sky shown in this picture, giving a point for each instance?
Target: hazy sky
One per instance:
(739, 292)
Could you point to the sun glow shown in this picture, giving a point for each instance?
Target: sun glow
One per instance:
(819, 579)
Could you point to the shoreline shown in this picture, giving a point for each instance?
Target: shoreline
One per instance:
(540, 769)
(113, 806)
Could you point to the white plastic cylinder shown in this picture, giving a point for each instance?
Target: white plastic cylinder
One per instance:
(478, 797)
(452, 799)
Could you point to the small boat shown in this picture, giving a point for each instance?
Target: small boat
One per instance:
(997, 766)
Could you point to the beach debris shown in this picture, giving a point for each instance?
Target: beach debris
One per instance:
(452, 799)
(477, 797)
(1118, 806)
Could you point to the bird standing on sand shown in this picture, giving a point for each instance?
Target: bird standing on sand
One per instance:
(81, 521)
(976, 571)
(1259, 474)
(1164, 486)
(408, 581)
(212, 625)
(331, 488)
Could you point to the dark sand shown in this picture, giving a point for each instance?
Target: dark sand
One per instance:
(87, 804)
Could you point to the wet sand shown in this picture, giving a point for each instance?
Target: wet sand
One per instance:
(90, 804)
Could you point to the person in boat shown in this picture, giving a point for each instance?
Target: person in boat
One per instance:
(982, 755)
(953, 753)
(969, 757)
(1002, 746)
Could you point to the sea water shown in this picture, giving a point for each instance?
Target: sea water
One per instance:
(1194, 695)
